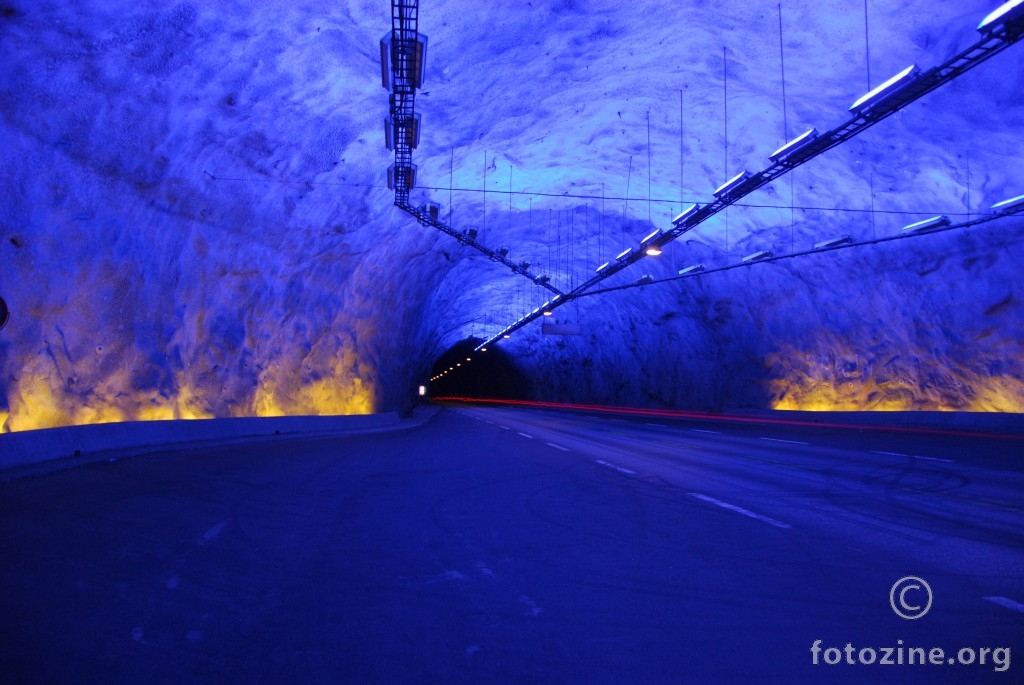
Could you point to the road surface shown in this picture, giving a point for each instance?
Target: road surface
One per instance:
(504, 545)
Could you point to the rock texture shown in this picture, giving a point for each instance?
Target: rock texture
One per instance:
(194, 220)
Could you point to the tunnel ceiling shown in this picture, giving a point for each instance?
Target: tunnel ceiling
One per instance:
(195, 220)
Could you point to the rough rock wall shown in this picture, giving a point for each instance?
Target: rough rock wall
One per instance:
(193, 223)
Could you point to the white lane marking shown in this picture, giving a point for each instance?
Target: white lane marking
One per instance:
(212, 533)
(1007, 602)
(558, 447)
(792, 442)
(890, 454)
(740, 510)
(613, 466)
(701, 430)
(948, 461)
(656, 425)
(525, 435)
(505, 428)
(490, 422)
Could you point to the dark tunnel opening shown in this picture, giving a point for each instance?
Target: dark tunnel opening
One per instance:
(461, 372)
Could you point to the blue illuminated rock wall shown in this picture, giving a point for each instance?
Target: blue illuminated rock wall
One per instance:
(193, 223)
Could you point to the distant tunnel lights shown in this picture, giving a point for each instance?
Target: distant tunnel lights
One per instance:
(1006, 14)
(732, 184)
(793, 145)
(893, 85)
(927, 224)
(1008, 205)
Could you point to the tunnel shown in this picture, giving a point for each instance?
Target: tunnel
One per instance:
(464, 372)
(551, 341)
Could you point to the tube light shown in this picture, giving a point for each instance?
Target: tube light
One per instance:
(761, 254)
(602, 267)
(1005, 13)
(625, 253)
(696, 268)
(646, 278)
(731, 184)
(542, 280)
(1006, 205)
(927, 224)
(686, 214)
(793, 145)
(893, 85)
(832, 242)
(650, 245)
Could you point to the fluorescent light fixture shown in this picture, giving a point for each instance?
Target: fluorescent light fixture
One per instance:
(1007, 12)
(502, 251)
(547, 312)
(625, 253)
(542, 280)
(602, 267)
(484, 349)
(793, 145)
(696, 268)
(927, 224)
(652, 236)
(832, 242)
(755, 256)
(893, 85)
(685, 214)
(649, 244)
(1006, 205)
(507, 336)
(646, 278)
(731, 184)
(524, 266)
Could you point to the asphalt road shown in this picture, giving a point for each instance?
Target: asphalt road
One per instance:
(497, 545)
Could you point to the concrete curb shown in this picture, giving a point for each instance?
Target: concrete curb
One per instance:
(56, 448)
